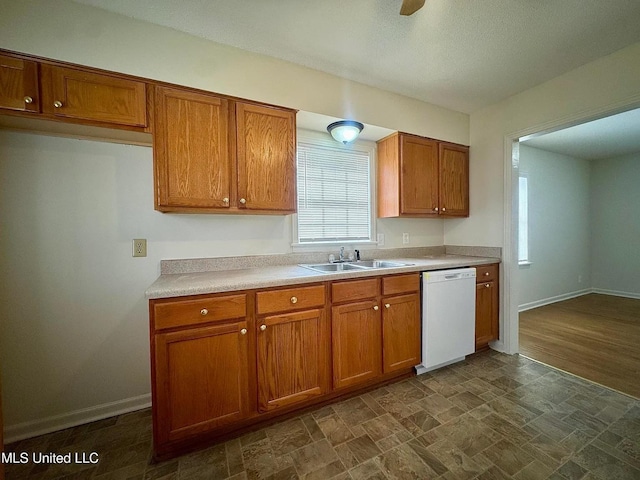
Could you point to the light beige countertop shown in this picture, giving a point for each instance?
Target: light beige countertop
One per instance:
(195, 283)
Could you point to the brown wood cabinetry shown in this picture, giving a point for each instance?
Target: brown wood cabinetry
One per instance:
(293, 361)
(356, 338)
(201, 380)
(19, 84)
(84, 95)
(214, 154)
(191, 150)
(421, 177)
(401, 332)
(266, 152)
(487, 301)
(200, 373)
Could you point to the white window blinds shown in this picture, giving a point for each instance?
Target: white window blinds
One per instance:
(334, 194)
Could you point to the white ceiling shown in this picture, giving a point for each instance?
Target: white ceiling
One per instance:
(604, 138)
(460, 54)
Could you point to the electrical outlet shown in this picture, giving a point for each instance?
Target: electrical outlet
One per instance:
(579, 278)
(380, 239)
(405, 238)
(139, 247)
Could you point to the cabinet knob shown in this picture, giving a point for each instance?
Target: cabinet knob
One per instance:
(486, 285)
(375, 307)
(243, 201)
(243, 331)
(387, 305)
(263, 327)
(435, 209)
(444, 209)
(225, 200)
(28, 99)
(57, 104)
(486, 274)
(294, 299)
(204, 311)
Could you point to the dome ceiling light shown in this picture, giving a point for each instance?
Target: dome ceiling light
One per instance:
(345, 131)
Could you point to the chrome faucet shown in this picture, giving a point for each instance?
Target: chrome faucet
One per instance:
(341, 258)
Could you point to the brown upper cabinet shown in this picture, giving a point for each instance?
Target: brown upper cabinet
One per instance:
(19, 84)
(421, 177)
(84, 95)
(214, 154)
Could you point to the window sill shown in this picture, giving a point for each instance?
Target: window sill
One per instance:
(525, 263)
(331, 246)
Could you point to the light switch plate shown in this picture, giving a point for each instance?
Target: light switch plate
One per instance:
(380, 239)
(405, 238)
(139, 247)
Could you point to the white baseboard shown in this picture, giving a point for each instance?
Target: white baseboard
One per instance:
(20, 431)
(616, 293)
(557, 298)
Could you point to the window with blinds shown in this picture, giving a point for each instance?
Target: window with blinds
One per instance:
(334, 193)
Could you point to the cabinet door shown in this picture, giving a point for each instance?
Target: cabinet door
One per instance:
(191, 150)
(454, 180)
(401, 341)
(418, 176)
(486, 313)
(19, 84)
(201, 380)
(357, 343)
(78, 94)
(266, 147)
(292, 358)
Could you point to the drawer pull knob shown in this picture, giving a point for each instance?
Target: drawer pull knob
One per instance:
(486, 274)
(294, 299)
(435, 209)
(387, 305)
(243, 201)
(375, 307)
(204, 311)
(444, 209)
(243, 331)
(28, 99)
(486, 285)
(57, 104)
(263, 327)
(225, 200)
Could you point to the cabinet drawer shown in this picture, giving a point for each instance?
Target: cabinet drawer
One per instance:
(180, 313)
(401, 284)
(290, 299)
(486, 273)
(354, 290)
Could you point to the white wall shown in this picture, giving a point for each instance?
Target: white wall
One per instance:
(68, 31)
(615, 202)
(559, 225)
(74, 318)
(604, 86)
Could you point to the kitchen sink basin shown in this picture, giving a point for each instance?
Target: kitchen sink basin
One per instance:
(333, 267)
(350, 267)
(379, 264)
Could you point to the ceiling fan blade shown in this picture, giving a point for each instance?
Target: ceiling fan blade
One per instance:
(409, 7)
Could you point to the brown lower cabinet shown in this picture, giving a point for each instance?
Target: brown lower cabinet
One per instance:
(487, 301)
(224, 363)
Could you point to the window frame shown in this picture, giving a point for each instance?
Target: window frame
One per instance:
(526, 259)
(324, 139)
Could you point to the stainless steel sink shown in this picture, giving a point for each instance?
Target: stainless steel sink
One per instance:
(346, 267)
(379, 264)
(333, 267)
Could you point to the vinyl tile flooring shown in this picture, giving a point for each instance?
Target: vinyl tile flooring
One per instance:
(493, 416)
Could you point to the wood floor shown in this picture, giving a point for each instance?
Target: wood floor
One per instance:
(594, 336)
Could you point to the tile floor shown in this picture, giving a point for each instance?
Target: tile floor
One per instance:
(493, 416)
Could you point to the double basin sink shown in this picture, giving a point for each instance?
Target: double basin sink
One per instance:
(353, 266)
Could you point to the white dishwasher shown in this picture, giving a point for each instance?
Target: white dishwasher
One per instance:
(448, 317)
